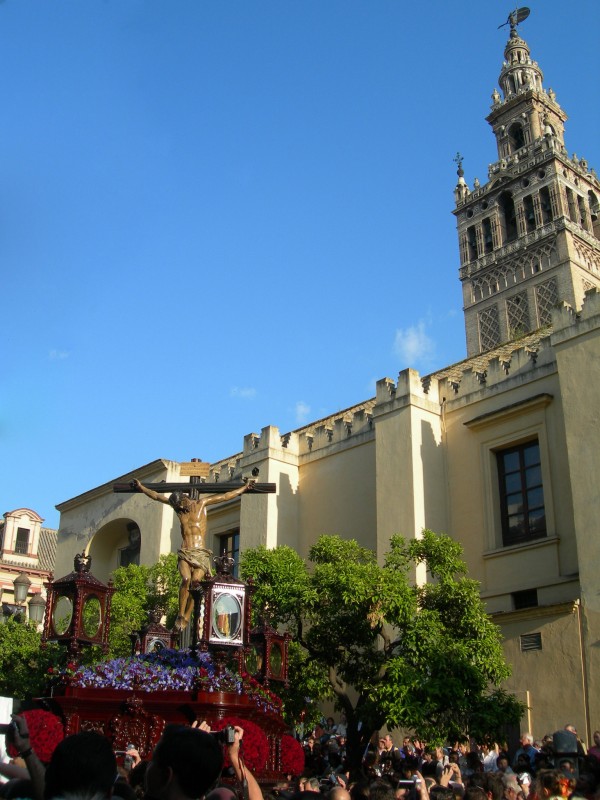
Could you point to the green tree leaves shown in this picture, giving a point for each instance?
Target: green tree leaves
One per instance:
(139, 589)
(23, 664)
(423, 657)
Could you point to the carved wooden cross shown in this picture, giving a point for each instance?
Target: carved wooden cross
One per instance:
(196, 470)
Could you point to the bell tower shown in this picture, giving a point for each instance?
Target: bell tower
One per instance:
(529, 238)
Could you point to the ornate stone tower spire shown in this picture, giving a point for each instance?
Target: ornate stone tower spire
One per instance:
(530, 237)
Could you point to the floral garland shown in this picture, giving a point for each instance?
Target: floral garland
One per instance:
(45, 732)
(292, 756)
(175, 670)
(262, 696)
(255, 745)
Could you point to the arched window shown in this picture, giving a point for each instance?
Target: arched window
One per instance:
(516, 137)
(488, 242)
(472, 243)
(583, 215)
(529, 213)
(545, 205)
(573, 213)
(508, 217)
(594, 213)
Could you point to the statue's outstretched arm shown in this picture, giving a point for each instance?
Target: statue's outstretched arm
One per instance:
(150, 493)
(223, 498)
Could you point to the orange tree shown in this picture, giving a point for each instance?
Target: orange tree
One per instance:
(423, 657)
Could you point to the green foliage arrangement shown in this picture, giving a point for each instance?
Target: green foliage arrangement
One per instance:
(139, 589)
(24, 665)
(423, 655)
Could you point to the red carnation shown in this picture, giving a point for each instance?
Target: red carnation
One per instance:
(255, 745)
(45, 732)
(292, 756)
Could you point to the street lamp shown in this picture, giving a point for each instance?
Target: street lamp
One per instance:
(21, 584)
(37, 607)
(21, 587)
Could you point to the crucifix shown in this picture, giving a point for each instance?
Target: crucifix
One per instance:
(193, 558)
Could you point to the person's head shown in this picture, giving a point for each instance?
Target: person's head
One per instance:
(502, 762)
(381, 789)
(186, 761)
(338, 793)
(474, 762)
(409, 766)
(438, 792)
(523, 763)
(597, 738)
(475, 793)
(389, 742)
(571, 729)
(491, 783)
(179, 500)
(526, 739)
(511, 787)
(82, 764)
(551, 783)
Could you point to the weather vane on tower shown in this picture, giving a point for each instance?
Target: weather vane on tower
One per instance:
(515, 18)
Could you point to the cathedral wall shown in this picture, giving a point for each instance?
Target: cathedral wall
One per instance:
(411, 482)
(577, 345)
(545, 650)
(500, 419)
(337, 496)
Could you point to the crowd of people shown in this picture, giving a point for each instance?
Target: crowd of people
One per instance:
(557, 766)
(187, 764)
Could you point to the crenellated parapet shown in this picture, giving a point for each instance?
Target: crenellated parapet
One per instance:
(568, 324)
(348, 426)
(514, 360)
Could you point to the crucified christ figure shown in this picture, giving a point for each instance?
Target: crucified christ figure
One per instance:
(193, 558)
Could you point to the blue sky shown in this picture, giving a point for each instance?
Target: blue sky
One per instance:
(217, 215)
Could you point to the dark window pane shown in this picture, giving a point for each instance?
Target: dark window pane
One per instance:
(535, 498)
(533, 476)
(512, 483)
(521, 493)
(511, 461)
(22, 541)
(531, 454)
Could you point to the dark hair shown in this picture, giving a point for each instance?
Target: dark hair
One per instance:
(195, 757)
(381, 789)
(82, 764)
(475, 793)
(123, 790)
(441, 793)
(18, 787)
(175, 499)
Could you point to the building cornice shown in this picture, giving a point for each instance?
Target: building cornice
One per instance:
(535, 612)
(534, 403)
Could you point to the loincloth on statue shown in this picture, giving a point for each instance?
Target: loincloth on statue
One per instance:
(197, 558)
